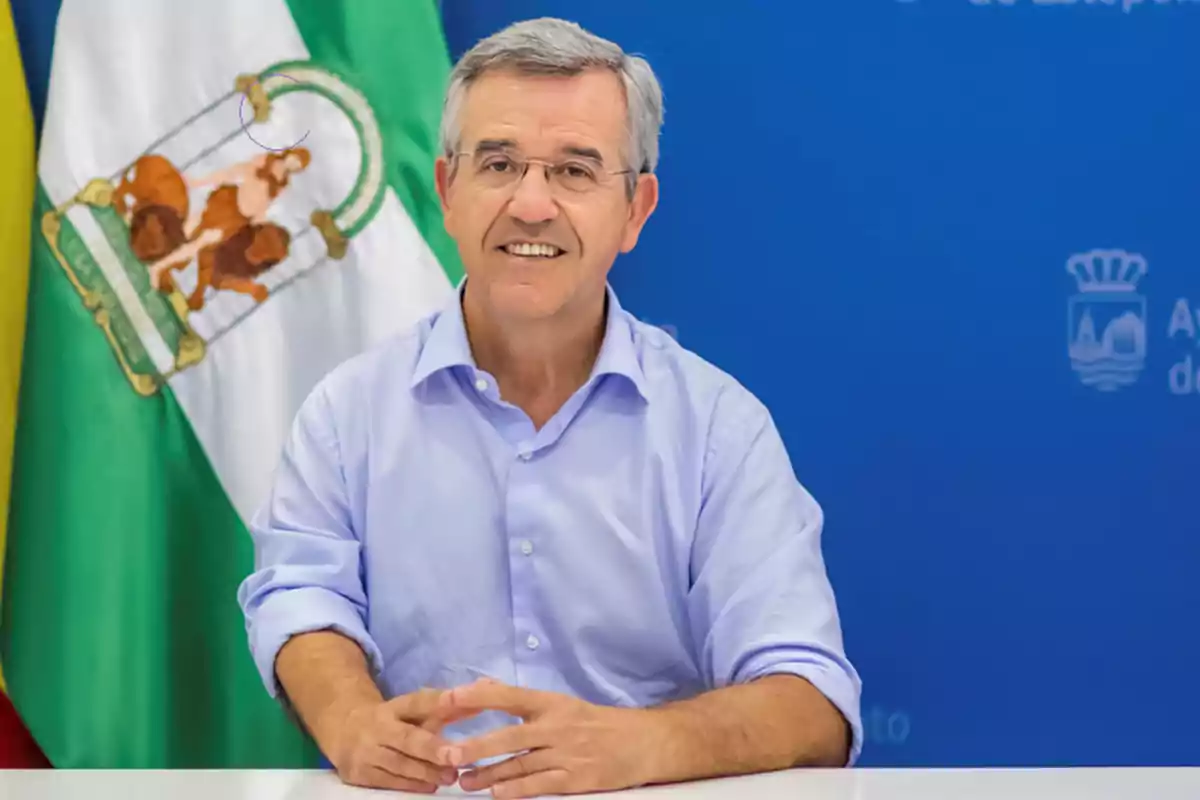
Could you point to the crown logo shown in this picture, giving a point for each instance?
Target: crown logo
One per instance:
(1107, 270)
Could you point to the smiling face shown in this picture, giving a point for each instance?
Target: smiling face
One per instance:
(540, 245)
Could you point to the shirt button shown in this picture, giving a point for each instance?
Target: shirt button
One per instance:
(527, 547)
(532, 642)
(481, 384)
(524, 455)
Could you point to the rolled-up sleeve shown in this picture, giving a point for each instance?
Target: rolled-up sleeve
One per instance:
(307, 571)
(761, 601)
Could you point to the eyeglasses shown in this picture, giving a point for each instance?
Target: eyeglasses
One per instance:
(496, 169)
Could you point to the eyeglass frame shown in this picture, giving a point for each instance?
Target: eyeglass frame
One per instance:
(518, 160)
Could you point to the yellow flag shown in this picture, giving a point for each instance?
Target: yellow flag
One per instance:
(16, 212)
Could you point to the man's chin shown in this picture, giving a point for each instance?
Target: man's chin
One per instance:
(527, 302)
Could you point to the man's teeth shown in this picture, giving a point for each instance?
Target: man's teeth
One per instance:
(532, 249)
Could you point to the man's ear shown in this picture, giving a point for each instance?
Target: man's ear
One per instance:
(645, 200)
(441, 178)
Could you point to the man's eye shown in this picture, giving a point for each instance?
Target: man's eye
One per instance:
(497, 165)
(577, 171)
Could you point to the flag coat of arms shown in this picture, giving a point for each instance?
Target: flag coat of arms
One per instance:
(232, 198)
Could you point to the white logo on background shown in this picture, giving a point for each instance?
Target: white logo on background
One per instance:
(1184, 377)
(882, 726)
(1106, 319)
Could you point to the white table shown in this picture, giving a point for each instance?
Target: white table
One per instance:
(855, 784)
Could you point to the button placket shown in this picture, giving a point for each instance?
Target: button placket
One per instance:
(522, 525)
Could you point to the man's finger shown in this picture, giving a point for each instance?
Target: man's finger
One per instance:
(487, 695)
(552, 781)
(502, 741)
(510, 769)
(376, 778)
(413, 741)
(447, 715)
(415, 706)
(403, 766)
(385, 780)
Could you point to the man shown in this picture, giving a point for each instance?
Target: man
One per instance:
(535, 509)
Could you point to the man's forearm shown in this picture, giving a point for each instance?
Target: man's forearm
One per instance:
(777, 722)
(325, 677)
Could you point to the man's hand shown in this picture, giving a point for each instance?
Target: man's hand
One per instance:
(565, 746)
(396, 744)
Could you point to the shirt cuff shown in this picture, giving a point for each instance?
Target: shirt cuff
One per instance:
(290, 612)
(833, 677)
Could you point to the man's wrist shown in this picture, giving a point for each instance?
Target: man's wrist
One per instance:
(336, 723)
(676, 746)
(325, 678)
(736, 730)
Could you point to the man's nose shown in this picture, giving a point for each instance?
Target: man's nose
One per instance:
(532, 200)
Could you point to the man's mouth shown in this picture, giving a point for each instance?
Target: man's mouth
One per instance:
(532, 250)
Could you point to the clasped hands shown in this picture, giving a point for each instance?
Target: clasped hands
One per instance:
(564, 746)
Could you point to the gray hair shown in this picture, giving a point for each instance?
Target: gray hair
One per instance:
(550, 46)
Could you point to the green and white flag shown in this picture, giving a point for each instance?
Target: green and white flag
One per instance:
(234, 196)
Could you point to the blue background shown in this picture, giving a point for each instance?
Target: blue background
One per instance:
(867, 208)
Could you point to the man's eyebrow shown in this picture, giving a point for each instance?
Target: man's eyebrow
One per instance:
(493, 145)
(584, 152)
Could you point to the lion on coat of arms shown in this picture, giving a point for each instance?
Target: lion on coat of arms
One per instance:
(230, 238)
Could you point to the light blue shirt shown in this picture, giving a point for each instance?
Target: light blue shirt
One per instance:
(649, 543)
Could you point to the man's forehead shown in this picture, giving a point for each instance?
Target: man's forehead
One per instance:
(584, 110)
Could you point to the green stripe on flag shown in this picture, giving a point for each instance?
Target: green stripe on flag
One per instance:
(400, 62)
(123, 644)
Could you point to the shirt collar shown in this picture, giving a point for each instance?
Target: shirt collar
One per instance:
(447, 345)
